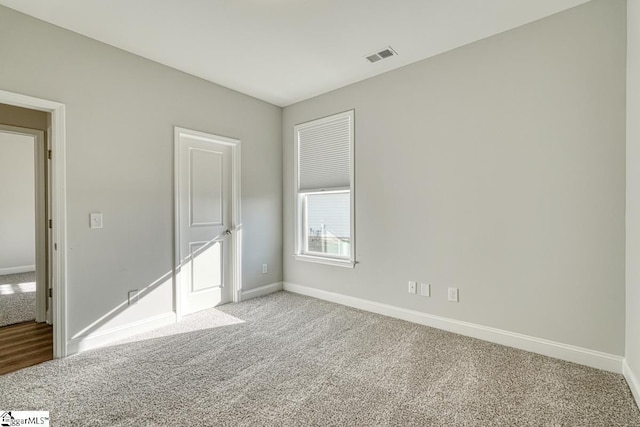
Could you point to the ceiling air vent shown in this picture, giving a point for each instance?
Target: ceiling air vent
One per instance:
(383, 54)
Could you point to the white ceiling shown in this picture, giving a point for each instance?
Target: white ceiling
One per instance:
(285, 51)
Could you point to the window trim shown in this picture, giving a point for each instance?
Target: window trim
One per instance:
(299, 223)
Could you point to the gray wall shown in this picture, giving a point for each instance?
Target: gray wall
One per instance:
(633, 189)
(497, 168)
(17, 193)
(121, 110)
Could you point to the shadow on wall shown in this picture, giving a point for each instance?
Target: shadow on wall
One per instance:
(98, 326)
(121, 308)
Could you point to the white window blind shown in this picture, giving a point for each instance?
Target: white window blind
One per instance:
(324, 154)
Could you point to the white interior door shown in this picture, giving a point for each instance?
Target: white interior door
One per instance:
(204, 222)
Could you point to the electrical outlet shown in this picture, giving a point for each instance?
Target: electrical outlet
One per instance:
(133, 297)
(453, 294)
(412, 287)
(265, 268)
(425, 289)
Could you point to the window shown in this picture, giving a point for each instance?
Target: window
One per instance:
(324, 190)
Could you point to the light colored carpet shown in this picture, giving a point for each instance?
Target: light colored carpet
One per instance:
(289, 360)
(17, 298)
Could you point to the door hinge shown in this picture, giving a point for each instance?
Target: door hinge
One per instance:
(50, 224)
(49, 154)
(50, 292)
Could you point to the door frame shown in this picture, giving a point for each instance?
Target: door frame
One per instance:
(40, 224)
(57, 135)
(236, 221)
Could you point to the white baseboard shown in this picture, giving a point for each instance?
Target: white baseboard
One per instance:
(262, 290)
(583, 356)
(108, 336)
(633, 380)
(18, 269)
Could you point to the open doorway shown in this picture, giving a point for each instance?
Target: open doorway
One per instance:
(25, 250)
(57, 222)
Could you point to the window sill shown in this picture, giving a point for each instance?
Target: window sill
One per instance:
(347, 263)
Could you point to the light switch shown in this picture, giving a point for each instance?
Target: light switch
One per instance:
(95, 220)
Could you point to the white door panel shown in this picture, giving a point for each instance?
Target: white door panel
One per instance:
(204, 223)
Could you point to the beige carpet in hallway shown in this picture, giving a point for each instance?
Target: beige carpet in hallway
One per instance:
(17, 298)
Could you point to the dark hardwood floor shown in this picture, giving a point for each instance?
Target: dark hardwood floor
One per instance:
(25, 344)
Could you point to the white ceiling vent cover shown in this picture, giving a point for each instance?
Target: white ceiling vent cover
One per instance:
(382, 54)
